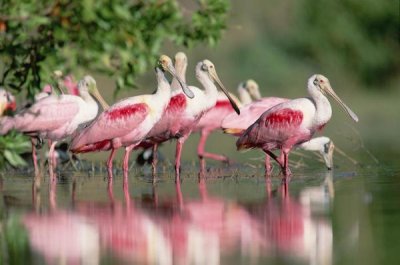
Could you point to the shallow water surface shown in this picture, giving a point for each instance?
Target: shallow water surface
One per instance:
(230, 216)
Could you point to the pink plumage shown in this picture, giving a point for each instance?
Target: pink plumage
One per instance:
(118, 122)
(292, 122)
(236, 125)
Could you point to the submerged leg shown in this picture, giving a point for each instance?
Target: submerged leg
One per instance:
(34, 156)
(110, 162)
(286, 170)
(51, 158)
(179, 144)
(203, 154)
(268, 166)
(154, 162)
(128, 151)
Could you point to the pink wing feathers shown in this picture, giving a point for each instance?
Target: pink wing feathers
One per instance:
(271, 129)
(237, 124)
(212, 119)
(115, 122)
(46, 115)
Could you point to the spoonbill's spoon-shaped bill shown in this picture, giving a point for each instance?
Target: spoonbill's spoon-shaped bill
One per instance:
(323, 83)
(89, 82)
(166, 64)
(209, 67)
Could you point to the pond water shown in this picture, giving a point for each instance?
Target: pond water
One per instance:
(231, 215)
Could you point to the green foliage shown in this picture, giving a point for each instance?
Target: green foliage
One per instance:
(360, 36)
(119, 38)
(11, 146)
(14, 241)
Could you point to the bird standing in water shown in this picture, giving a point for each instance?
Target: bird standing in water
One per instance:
(292, 122)
(56, 117)
(182, 113)
(127, 123)
(236, 125)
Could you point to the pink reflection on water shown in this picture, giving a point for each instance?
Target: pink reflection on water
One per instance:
(178, 230)
(61, 237)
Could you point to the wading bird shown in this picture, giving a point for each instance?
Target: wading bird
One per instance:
(7, 102)
(236, 125)
(182, 113)
(292, 122)
(56, 117)
(127, 123)
(212, 120)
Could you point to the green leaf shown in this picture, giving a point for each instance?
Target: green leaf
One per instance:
(14, 159)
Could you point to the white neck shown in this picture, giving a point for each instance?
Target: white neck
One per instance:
(244, 96)
(181, 73)
(163, 87)
(85, 95)
(211, 91)
(322, 105)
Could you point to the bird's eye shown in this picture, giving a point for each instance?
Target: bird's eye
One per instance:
(211, 66)
(326, 147)
(321, 81)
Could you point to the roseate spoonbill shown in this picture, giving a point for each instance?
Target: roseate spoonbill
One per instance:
(209, 121)
(56, 117)
(48, 90)
(212, 120)
(7, 102)
(323, 145)
(236, 125)
(128, 122)
(292, 122)
(182, 113)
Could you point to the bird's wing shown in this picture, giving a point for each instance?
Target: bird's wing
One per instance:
(47, 114)
(272, 126)
(236, 124)
(117, 121)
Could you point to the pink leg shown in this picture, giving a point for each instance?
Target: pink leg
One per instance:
(268, 166)
(51, 159)
(179, 145)
(52, 194)
(286, 170)
(110, 188)
(128, 151)
(34, 156)
(154, 162)
(179, 195)
(268, 187)
(203, 189)
(125, 187)
(202, 154)
(110, 162)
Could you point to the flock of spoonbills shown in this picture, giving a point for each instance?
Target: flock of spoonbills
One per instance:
(174, 111)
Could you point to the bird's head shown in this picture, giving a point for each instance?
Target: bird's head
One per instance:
(209, 68)
(88, 85)
(165, 63)
(327, 154)
(253, 89)
(321, 83)
(180, 57)
(7, 102)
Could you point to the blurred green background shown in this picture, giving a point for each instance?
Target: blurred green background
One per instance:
(280, 44)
